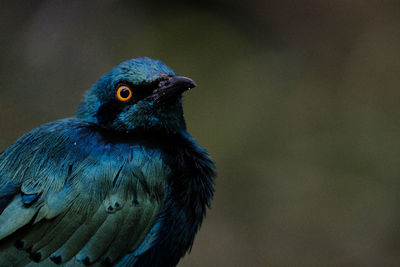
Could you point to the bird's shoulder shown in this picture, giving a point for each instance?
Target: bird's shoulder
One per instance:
(72, 145)
(91, 189)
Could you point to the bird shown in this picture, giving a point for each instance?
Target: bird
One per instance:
(121, 183)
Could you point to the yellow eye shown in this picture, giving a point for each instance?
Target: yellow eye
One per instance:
(124, 93)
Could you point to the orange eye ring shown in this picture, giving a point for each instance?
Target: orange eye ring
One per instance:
(124, 93)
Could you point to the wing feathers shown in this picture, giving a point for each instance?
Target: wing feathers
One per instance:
(15, 216)
(61, 233)
(81, 236)
(138, 233)
(100, 241)
(55, 227)
(25, 238)
(85, 197)
(123, 239)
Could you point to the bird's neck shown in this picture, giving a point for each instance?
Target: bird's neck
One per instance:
(144, 118)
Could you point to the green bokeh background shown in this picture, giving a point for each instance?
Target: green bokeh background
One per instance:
(298, 103)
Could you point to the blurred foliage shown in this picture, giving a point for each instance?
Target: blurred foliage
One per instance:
(297, 103)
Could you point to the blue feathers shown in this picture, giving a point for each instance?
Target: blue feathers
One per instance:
(29, 199)
(7, 193)
(121, 184)
(142, 75)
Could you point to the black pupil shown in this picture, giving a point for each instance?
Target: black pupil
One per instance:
(125, 93)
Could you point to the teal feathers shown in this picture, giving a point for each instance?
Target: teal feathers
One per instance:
(121, 184)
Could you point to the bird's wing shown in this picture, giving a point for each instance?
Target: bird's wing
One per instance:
(65, 198)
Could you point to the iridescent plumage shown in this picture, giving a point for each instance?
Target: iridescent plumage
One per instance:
(120, 184)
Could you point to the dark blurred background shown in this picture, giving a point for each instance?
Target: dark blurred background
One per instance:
(298, 103)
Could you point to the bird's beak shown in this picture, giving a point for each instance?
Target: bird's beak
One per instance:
(172, 86)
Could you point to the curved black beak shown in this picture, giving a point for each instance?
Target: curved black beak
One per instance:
(179, 83)
(182, 82)
(172, 86)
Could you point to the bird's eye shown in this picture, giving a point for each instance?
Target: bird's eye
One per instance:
(124, 93)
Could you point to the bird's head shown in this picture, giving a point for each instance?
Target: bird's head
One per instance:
(140, 93)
